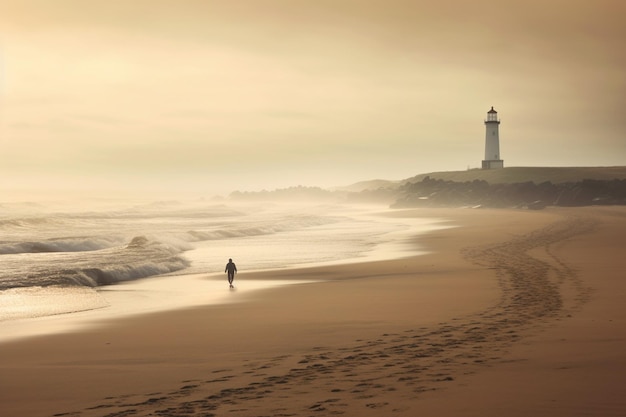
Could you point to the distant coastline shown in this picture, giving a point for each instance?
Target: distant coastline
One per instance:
(526, 187)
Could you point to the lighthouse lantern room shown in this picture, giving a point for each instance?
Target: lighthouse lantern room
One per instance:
(492, 142)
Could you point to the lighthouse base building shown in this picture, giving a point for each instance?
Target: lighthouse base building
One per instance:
(492, 142)
(493, 164)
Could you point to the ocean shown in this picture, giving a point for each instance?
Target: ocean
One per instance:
(60, 259)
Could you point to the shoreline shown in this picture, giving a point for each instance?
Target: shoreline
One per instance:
(125, 300)
(388, 336)
(183, 290)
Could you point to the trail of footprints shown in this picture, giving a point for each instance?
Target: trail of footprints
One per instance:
(403, 364)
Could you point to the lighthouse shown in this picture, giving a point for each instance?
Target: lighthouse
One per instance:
(492, 142)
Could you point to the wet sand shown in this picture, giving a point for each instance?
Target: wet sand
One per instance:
(514, 313)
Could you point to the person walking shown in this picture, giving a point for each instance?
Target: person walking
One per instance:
(231, 268)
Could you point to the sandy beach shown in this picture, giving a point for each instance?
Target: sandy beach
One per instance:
(512, 313)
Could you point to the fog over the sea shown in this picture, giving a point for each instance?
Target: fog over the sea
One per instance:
(212, 96)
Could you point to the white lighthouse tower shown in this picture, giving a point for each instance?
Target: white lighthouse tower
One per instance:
(492, 142)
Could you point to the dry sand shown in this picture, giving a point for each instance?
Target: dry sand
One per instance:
(515, 313)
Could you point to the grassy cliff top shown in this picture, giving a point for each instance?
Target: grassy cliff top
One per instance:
(555, 175)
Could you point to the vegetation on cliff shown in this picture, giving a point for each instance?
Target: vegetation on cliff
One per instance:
(431, 192)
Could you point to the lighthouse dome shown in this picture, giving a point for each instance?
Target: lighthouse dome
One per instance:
(492, 110)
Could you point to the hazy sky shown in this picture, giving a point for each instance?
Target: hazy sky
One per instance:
(213, 96)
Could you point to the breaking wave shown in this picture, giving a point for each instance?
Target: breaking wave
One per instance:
(75, 244)
(141, 258)
(94, 248)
